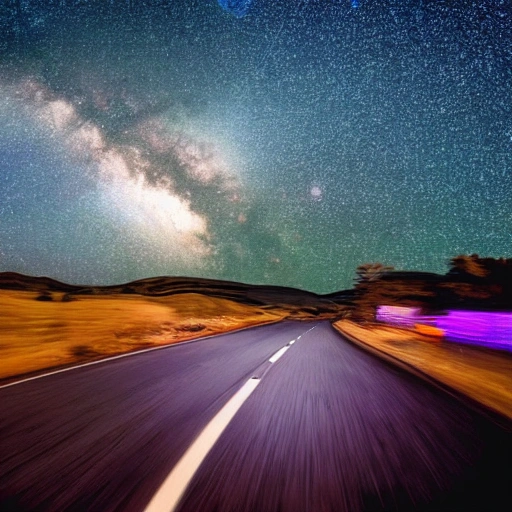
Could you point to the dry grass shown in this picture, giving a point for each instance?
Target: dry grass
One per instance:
(482, 374)
(38, 334)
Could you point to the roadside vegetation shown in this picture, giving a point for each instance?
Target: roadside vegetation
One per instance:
(471, 283)
(46, 330)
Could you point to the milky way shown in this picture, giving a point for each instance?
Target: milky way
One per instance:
(286, 146)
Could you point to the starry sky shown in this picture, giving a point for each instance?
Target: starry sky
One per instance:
(266, 142)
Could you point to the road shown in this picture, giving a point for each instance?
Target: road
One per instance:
(328, 428)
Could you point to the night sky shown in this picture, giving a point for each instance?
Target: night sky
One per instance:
(269, 142)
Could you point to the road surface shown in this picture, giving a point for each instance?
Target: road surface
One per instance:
(328, 428)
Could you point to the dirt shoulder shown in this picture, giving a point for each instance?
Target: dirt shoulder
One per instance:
(481, 374)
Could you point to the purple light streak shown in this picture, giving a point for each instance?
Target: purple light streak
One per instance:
(487, 329)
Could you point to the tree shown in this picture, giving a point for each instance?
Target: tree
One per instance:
(472, 265)
(372, 271)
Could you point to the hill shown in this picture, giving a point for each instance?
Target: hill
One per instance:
(298, 302)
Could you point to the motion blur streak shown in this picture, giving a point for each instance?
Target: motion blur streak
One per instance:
(333, 429)
(488, 329)
(175, 484)
(104, 437)
(329, 428)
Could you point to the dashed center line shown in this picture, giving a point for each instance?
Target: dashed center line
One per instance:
(278, 354)
(171, 491)
(169, 494)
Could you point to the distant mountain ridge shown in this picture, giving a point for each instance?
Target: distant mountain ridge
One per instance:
(472, 283)
(15, 281)
(260, 295)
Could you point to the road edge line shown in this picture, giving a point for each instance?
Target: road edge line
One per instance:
(132, 353)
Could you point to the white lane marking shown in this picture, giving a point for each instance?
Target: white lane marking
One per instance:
(75, 367)
(111, 358)
(278, 354)
(129, 354)
(171, 491)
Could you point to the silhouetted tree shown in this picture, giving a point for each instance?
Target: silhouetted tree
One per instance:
(472, 265)
(372, 271)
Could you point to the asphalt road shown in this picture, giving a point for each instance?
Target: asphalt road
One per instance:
(329, 428)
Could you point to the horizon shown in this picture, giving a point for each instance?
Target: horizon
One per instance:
(471, 266)
(278, 145)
